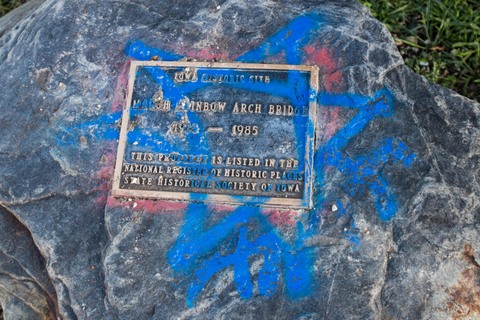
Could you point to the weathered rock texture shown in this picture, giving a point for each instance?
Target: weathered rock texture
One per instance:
(394, 232)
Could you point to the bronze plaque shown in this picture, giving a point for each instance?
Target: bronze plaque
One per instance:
(218, 132)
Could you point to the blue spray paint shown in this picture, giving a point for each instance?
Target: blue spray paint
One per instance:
(291, 40)
(197, 251)
(192, 253)
(103, 128)
(200, 252)
(139, 51)
(363, 172)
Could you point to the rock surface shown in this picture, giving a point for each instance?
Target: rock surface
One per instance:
(394, 230)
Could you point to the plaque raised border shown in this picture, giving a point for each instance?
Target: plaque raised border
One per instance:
(303, 202)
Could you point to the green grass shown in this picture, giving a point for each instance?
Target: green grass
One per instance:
(439, 39)
(8, 5)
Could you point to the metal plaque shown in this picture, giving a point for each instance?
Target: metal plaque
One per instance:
(218, 132)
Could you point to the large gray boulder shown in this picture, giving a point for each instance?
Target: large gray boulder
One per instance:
(393, 233)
